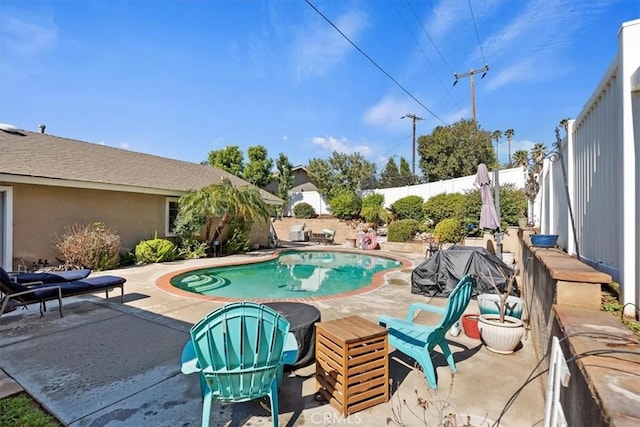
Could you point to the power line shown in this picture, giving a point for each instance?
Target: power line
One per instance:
(476, 28)
(429, 37)
(391, 148)
(374, 63)
(445, 87)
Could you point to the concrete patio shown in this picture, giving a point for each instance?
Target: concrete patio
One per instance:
(112, 364)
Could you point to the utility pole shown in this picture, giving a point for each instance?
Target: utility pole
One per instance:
(471, 75)
(414, 118)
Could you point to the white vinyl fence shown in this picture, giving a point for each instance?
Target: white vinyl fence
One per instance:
(426, 191)
(601, 154)
(455, 185)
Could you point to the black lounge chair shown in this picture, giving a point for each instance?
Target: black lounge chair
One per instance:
(51, 277)
(24, 294)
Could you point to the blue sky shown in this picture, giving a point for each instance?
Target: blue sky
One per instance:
(181, 78)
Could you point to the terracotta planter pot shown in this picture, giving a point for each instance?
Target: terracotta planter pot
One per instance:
(470, 325)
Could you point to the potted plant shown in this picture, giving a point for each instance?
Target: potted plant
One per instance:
(470, 325)
(500, 332)
(523, 221)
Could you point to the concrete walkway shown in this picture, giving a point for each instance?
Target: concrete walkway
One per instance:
(112, 364)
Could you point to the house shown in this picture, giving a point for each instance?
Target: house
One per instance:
(48, 183)
(302, 190)
(301, 181)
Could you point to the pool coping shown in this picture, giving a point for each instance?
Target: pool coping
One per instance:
(164, 282)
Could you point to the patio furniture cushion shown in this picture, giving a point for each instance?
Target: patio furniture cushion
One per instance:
(51, 276)
(38, 292)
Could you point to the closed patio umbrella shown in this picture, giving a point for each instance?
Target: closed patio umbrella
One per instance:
(488, 216)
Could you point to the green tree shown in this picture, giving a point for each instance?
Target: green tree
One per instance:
(321, 175)
(285, 176)
(521, 158)
(390, 176)
(509, 135)
(258, 170)
(454, 151)
(340, 172)
(220, 202)
(229, 159)
(370, 183)
(406, 176)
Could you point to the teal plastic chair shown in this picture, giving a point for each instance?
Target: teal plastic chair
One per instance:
(417, 341)
(239, 351)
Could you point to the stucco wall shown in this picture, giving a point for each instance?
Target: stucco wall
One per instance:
(41, 214)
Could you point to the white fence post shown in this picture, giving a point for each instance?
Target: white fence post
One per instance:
(559, 375)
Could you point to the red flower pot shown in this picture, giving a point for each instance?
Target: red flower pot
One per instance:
(470, 325)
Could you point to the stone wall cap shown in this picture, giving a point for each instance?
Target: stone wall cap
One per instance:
(562, 266)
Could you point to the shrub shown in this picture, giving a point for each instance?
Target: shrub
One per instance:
(373, 208)
(126, 258)
(91, 246)
(155, 250)
(409, 207)
(402, 231)
(239, 240)
(449, 230)
(192, 249)
(304, 210)
(345, 204)
(444, 206)
(512, 203)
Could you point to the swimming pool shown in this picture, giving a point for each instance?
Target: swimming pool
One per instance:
(291, 275)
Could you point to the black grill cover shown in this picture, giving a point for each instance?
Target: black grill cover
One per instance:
(438, 275)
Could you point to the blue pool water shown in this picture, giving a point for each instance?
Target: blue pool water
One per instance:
(298, 274)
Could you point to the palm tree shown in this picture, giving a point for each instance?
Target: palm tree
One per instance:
(521, 158)
(509, 134)
(497, 134)
(538, 153)
(565, 124)
(221, 202)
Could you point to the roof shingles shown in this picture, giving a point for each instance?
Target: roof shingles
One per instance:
(34, 154)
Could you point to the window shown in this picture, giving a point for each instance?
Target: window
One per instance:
(171, 213)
